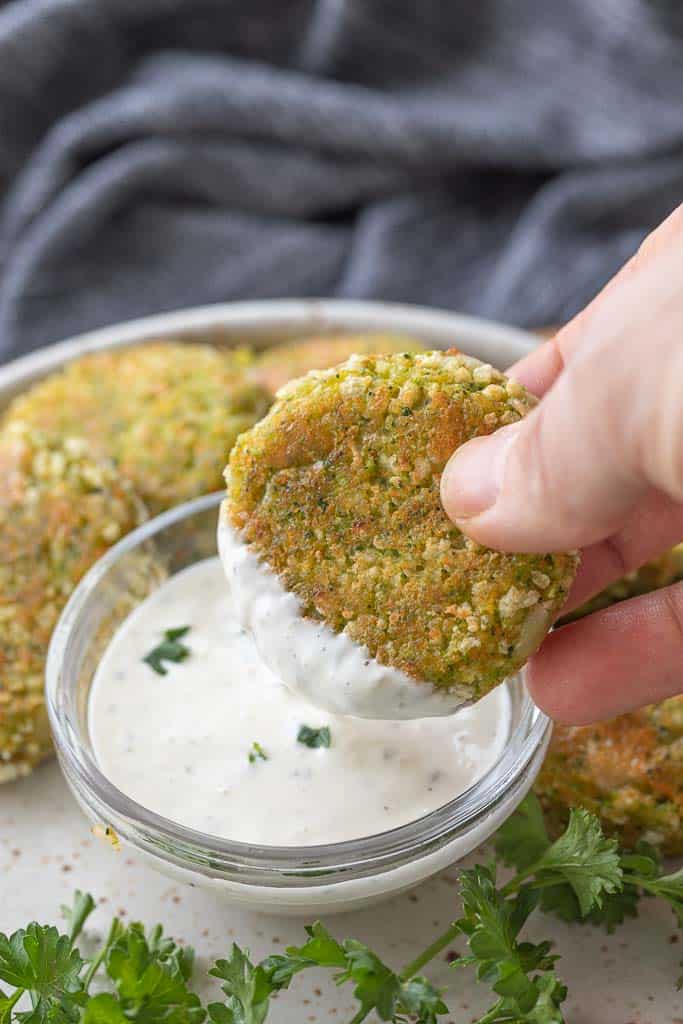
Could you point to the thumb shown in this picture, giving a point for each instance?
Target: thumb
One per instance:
(539, 485)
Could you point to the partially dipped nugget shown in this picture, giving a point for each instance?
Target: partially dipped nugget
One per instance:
(358, 588)
(60, 509)
(277, 366)
(166, 412)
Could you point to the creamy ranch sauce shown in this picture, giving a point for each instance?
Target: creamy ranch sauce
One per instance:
(179, 744)
(325, 667)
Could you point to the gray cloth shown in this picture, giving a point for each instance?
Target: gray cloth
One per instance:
(502, 157)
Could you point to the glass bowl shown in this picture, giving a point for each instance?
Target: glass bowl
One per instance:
(286, 879)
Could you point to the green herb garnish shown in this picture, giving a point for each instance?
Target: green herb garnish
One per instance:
(582, 876)
(257, 753)
(520, 973)
(170, 649)
(314, 737)
(149, 975)
(523, 842)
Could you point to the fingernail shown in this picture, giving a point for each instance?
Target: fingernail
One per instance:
(473, 477)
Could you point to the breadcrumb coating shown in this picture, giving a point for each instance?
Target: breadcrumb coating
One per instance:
(628, 771)
(337, 488)
(60, 509)
(166, 412)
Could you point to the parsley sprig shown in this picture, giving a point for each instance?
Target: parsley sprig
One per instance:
(520, 973)
(581, 876)
(148, 974)
(248, 987)
(569, 884)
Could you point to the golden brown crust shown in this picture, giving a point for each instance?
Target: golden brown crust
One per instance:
(60, 509)
(628, 771)
(338, 489)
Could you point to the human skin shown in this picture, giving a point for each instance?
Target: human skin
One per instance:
(597, 465)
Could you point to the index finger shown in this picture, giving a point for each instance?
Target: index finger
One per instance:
(612, 661)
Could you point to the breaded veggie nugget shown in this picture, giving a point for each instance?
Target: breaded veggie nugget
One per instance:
(661, 572)
(276, 366)
(628, 771)
(166, 412)
(337, 490)
(60, 509)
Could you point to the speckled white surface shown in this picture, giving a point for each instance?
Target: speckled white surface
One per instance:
(46, 851)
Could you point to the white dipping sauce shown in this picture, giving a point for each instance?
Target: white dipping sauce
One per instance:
(179, 743)
(329, 669)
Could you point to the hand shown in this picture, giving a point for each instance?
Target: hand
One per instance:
(598, 465)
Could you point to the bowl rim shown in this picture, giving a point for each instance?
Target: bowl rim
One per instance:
(364, 855)
(294, 317)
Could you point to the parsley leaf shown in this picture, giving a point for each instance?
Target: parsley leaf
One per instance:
(170, 649)
(523, 839)
(551, 994)
(376, 986)
(584, 858)
(314, 737)
(641, 873)
(247, 987)
(42, 961)
(321, 950)
(616, 907)
(492, 924)
(420, 998)
(104, 1009)
(151, 976)
(6, 1005)
(257, 753)
(581, 858)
